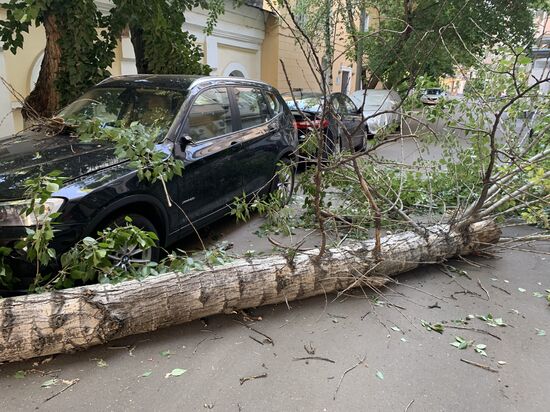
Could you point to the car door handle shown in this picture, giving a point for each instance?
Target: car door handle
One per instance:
(233, 143)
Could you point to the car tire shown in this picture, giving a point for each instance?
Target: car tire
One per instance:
(287, 170)
(151, 254)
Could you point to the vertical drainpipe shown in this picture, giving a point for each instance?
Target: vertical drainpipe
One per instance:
(359, 57)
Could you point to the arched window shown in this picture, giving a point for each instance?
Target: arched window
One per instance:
(236, 73)
(235, 70)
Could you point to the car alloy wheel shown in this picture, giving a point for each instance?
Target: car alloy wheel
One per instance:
(128, 255)
(284, 180)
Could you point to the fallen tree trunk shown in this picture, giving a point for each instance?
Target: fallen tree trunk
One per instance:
(77, 318)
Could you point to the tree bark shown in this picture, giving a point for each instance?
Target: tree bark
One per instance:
(136, 37)
(77, 318)
(44, 99)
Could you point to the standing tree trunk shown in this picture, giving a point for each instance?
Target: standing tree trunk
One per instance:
(136, 36)
(78, 318)
(44, 99)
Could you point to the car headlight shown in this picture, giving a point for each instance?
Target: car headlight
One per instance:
(11, 213)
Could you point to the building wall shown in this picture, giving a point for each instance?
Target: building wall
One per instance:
(18, 72)
(280, 44)
(236, 41)
(247, 39)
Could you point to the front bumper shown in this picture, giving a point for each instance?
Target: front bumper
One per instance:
(66, 235)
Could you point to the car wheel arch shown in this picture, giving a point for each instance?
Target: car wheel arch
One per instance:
(148, 207)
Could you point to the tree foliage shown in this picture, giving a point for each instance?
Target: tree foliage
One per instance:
(430, 37)
(80, 42)
(160, 44)
(78, 47)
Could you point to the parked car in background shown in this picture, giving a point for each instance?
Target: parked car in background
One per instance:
(307, 109)
(231, 134)
(381, 108)
(432, 96)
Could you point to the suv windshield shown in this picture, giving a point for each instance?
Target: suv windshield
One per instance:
(122, 106)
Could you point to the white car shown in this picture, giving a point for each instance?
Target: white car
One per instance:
(384, 102)
(432, 96)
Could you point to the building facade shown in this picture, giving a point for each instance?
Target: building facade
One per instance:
(247, 41)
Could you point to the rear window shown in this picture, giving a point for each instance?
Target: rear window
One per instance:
(274, 103)
(253, 108)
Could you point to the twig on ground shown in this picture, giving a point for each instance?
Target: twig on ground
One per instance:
(502, 289)
(250, 378)
(69, 385)
(256, 340)
(345, 372)
(473, 330)
(269, 339)
(337, 316)
(305, 358)
(482, 287)
(409, 405)
(479, 365)
(197, 345)
(434, 306)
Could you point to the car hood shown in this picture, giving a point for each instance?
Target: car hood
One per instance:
(30, 154)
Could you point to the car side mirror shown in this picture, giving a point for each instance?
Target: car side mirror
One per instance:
(185, 140)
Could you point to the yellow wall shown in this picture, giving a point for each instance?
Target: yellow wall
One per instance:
(248, 58)
(270, 51)
(280, 43)
(19, 67)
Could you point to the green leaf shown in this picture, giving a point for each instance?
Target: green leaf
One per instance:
(461, 343)
(146, 374)
(395, 328)
(89, 241)
(436, 327)
(540, 332)
(49, 383)
(175, 372)
(522, 290)
(19, 374)
(165, 353)
(380, 375)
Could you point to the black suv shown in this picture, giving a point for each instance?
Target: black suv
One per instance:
(231, 135)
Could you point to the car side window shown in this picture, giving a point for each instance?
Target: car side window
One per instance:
(348, 104)
(274, 103)
(252, 107)
(210, 115)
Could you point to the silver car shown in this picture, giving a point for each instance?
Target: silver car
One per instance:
(432, 96)
(381, 108)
